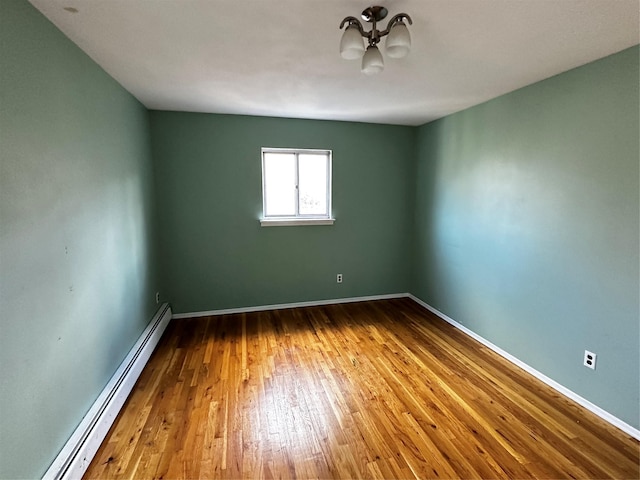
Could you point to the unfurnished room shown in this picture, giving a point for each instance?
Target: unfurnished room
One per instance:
(340, 239)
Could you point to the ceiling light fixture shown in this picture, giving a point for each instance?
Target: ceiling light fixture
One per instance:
(398, 42)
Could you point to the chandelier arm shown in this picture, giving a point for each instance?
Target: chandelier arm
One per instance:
(353, 21)
(372, 36)
(396, 19)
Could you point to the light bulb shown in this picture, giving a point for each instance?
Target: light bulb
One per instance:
(351, 44)
(398, 42)
(372, 61)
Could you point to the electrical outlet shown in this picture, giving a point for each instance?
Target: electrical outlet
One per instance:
(590, 359)
(339, 278)
(157, 297)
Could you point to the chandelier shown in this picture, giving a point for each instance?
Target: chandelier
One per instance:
(397, 45)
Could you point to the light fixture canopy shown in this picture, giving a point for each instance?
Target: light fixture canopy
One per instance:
(398, 41)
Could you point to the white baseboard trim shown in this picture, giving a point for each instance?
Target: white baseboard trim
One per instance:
(281, 306)
(612, 419)
(76, 455)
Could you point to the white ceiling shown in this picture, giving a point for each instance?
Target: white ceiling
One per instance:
(280, 57)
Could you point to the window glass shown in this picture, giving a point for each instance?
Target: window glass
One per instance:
(280, 184)
(312, 184)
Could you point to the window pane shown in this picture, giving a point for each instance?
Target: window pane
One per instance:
(312, 175)
(280, 184)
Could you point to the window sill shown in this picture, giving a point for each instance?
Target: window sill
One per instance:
(290, 222)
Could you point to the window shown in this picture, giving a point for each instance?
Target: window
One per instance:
(296, 187)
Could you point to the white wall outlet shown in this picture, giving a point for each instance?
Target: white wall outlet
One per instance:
(157, 297)
(590, 359)
(339, 278)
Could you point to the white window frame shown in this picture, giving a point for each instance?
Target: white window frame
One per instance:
(298, 218)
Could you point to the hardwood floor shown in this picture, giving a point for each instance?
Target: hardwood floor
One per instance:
(366, 390)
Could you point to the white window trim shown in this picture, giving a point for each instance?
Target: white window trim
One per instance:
(290, 222)
(287, 220)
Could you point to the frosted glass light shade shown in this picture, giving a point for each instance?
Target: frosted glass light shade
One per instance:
(399, 41)
(351, 44)
(372, 61)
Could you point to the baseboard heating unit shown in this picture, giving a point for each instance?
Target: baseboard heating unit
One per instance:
(75, 457)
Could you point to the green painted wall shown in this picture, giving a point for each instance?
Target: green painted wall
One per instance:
(527, 226)
(76, 283)
(214, 252)
(519, 218)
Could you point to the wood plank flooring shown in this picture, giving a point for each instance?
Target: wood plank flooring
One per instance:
(366, 390)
